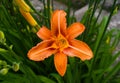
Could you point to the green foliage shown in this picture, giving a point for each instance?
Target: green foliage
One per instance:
(19, 37)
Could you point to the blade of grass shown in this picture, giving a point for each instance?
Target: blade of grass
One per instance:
(68, 76)
(57, 77)
(104, 25)
(113, 71)
(45, 79)
(68, 12)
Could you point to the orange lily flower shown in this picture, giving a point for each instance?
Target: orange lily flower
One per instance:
(61, 42)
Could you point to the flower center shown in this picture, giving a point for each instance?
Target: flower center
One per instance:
(60, 43)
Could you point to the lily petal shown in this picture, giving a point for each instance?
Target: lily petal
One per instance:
(74, 30)
(79, 49)
(41, 51)
(44, 33)
(58, 22)
(60, 61)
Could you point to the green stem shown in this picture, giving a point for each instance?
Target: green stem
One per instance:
(13, 53)
(91, 16)
(68, 12)
(111, 73)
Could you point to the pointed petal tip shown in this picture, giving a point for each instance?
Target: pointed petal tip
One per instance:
(62, 74)
(88, 57)
(40, 56)
(31, 56)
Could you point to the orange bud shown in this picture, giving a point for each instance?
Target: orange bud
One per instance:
(28, 17)
(22, 4)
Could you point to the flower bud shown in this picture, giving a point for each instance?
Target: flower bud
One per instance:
(22, 4)
(2, 37)
(3, 63)
(29, 18)
(16, 66)
(4, 71)
(108, 40)
(0, 62)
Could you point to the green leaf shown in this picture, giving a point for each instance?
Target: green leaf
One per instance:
(57, 77)
(112, 72)
(68, 76)
(44, 79)
(13, 78)
(101, 33)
